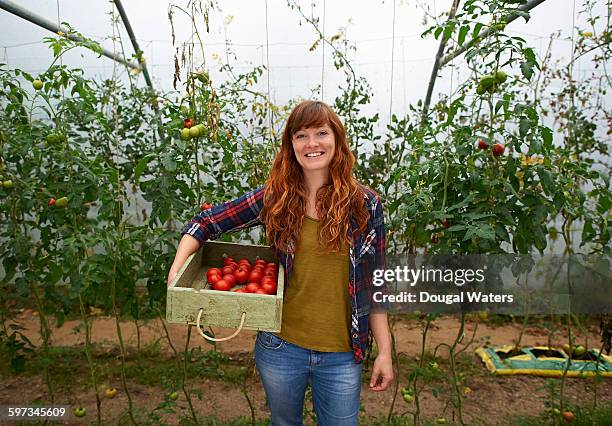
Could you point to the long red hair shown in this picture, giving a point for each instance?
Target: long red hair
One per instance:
(285, 196)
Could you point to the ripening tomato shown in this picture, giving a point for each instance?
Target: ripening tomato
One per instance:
(268, 287)
(222, 285)
(230, 279)
(188, 123)
(241, 276)
(251, 287)
(213, 271)
(255, 276)
(51, 201)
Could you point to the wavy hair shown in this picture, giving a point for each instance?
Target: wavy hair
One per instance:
(285, 196)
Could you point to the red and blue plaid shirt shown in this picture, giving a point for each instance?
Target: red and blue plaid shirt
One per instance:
(366, 252)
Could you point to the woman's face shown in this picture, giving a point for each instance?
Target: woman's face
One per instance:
(314, 147)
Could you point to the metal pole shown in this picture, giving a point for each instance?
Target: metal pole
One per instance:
(508, 18)
(22, 12)
(128, 27)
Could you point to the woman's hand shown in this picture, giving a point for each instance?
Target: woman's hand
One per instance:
(383, 370)
(172, 273)
(383, 365)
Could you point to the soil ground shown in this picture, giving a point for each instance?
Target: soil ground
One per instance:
(487, 399)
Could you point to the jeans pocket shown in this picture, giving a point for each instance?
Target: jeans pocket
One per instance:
(269, 341)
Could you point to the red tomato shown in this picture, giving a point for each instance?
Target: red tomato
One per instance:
(255, 276)
(260, 291)
(205, 206)
(245, 261)
(251, 287)
(270, 273)
(227, 270)
(51, 202)
(222, 285)
(268, 279)
(213, 271)
(239, 290)
(187, 123)
(230, 279)
(241, 276)
(233, 265)
(269, 287)
(214, 278)
(272, 265)
(227, 260)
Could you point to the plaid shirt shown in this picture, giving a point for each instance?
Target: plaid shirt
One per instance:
(366, 251)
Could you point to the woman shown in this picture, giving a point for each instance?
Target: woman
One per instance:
(328, 232)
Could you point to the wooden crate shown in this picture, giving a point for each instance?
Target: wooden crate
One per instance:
(189, 292)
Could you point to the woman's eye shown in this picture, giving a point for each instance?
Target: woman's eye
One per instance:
(322, 132)
(298, 136)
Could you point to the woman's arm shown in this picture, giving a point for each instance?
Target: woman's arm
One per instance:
(210, 224)
(383, 364)
(186, 247)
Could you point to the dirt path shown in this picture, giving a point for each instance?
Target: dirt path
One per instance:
(489, 399)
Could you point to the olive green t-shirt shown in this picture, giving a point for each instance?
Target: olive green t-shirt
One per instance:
(316, 308)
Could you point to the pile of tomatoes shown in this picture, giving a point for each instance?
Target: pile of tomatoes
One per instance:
(260, 278)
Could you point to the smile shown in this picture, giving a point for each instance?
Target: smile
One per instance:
(314, 154)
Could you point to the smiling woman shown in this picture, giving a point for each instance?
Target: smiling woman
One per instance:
(328, 232)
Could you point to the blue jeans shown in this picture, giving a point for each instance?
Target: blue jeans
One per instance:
(285, 370)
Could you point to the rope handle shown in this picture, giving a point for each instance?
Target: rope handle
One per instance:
(221, 339)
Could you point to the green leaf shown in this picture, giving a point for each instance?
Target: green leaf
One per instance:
(476, 30)
(524, 126)
(527, 70)
(169, 163)
(486, 232)
(462, 33)
(547, 180)
(547, 137)
(141, 166)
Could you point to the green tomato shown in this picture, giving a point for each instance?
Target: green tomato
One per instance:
(487, 81)
(202, 76)
(441, 421)
(80, 411)
(194, 132)
(408, 398)
(173, 396)
(52, 138)
(580, 350)
(37, 84)
(185, 134)
(501, 76)
(7, 184)
(480, 89)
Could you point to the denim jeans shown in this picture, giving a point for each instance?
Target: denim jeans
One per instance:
(286, 369)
